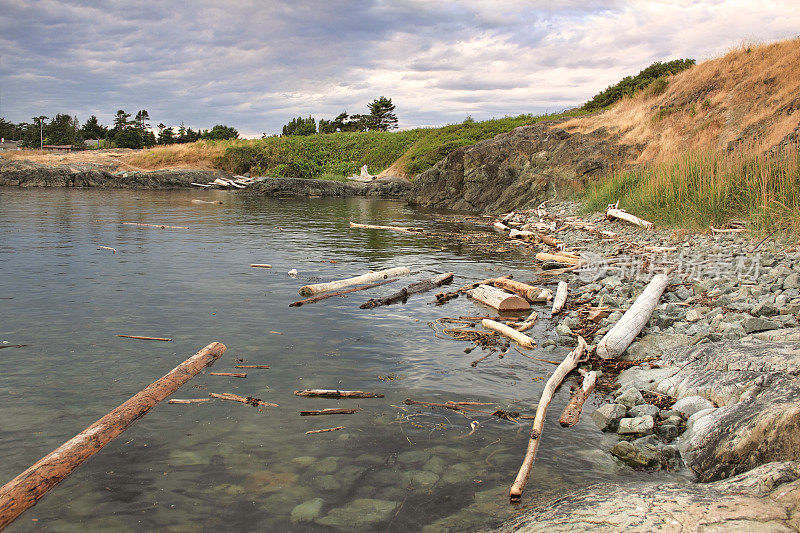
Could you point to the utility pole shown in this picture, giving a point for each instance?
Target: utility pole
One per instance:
(41, 130)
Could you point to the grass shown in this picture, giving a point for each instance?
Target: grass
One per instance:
(199, 155)
(704, 188)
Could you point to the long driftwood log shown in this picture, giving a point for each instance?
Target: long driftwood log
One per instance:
(561, 297)
(572, 412)
(567, 260)
(249, 400)
(498, 298)
(27, 488)
(616, 341)
(405, 292)
(401, 229)
(508, 332)
(333, 411)
(332, 393)
(369, 277)
(567, 365)
(315, 431)
(327, 295)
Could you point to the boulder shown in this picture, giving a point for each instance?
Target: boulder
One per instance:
(639, 456)
(607, 417)
(630, 397)
(692, 404)
(643, 409)
(640, 425)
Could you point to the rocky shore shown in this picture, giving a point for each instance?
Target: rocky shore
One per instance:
(716, 390)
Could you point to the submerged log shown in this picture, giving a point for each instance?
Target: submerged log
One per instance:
(508, 332)
(567, 365)
(616, 341)
(498, 299)
(572, 412)
(321, 297)
(310, 290)
(402, 229)
(561, 297)
(249, 400)
(27, 488)
(405, 292)
(317, 412)
(332, 393)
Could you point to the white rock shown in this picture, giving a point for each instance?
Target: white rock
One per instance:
(692, 404)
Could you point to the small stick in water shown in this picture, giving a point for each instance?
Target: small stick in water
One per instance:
(229, 374)
(193, 400)
(260, 265)
(162, 226)
(325, 430)
(328, 393)
(145, 338)
(250, 366)
(255, 402)
(113, 250)
(317, 412)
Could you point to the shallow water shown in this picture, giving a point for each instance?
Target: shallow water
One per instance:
(229, 466)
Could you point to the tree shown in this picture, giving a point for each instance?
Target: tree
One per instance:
(381, 114)
(165, 135)
(301, 126)
(121, 120)
(142, 116)
(220, 133)
(92, 129)
(62, 130)
(129, 138)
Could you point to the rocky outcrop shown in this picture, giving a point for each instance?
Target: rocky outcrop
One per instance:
(518, 168)
(764, 499)
(380, 188)
(29, 174)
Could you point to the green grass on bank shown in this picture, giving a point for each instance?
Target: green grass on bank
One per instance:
(700, 189)
(343, 154)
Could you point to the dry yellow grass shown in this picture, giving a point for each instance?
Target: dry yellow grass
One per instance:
(751, 96)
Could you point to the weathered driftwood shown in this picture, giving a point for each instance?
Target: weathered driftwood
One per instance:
(498, 298)
(335, 411)
(561, 297)
(325, 296)
(27, 488)
(567, 260)
(488, 281)
(405, 292)
(727, 230)
(523, 235)
(528, 323)
(12, 346)
(529, 292)
(616, 341)
(567, 365)
(260, 265)
(141, 337)
(499, 226)
(508, 332)
(249, 400)
(612, 211)
(113, 250)
(337, 428)
(332, 393)
(572, 412)
(402, 229)
(204, 185)
(369, 277)
(199, 201)
(193, 400)
(250, 366)
(161, 226)
(598, 314)
(229, 374)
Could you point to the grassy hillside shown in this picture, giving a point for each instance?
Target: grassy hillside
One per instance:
(335, 155)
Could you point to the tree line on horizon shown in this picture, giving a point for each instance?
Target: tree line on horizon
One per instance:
(125, 132)
(381, 117)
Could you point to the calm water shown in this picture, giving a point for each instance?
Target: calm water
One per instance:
(228, 466)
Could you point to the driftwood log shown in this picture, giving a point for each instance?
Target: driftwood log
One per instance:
(160, 226)
(529, 292)
(193, 400)
(369, 277)
(250, 366)
(572, 412)
(508, 332)
(27, 488)
(616, 341)
(402, 229)
(612, 211)
(260, 265)
(229, 374)
(566, 259)
(332, 393)
(567, 365)
(405, 292)
(249, 400)
(498, 298)
(312, 432)
(141, 337)
(561, 297)
(336, 411)
(325, 296)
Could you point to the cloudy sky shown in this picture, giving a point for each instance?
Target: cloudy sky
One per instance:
(255, 64)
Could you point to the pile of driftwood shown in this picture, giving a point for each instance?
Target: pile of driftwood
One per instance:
(237, 182)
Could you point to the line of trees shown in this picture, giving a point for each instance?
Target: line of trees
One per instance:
(125, 132)
(381, 117)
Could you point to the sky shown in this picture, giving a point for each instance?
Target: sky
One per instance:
(256, 64)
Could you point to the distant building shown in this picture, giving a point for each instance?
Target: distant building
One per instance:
(92, 143)
(57, 147)
(6, 146)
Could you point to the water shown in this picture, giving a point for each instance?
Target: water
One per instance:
(229, 466)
